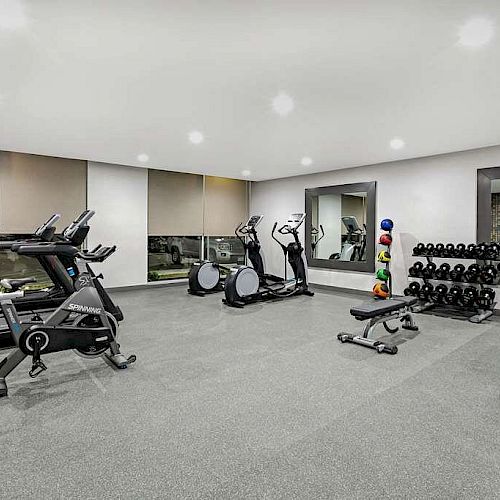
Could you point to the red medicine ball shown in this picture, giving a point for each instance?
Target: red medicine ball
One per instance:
(385, 239)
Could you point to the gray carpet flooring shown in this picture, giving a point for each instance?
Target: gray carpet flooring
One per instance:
(262, 402)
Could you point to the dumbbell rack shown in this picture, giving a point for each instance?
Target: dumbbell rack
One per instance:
(474, 314)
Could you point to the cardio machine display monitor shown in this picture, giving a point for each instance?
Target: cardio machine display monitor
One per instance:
(295, 220)
(253, 221)
(351, 223)
(47, 225)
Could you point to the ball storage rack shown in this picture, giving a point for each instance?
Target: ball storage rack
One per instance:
(474, 313)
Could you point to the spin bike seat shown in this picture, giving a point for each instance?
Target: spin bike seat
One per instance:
(13, 285)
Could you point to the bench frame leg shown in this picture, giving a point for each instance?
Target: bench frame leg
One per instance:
(405, 315)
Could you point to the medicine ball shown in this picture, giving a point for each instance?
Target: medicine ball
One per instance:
(383, 274)
(386, 225)
(381, 290)
(385, 239)
(384, 256)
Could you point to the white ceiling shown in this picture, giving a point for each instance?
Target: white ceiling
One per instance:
(114, 79)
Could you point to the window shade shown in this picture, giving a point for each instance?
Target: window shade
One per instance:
(225, 205)
(175, 203)
(34, 187)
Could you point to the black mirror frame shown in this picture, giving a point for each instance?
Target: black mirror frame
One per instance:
(367, 266)
(484, 221)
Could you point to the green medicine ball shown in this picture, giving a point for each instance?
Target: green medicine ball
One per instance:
(383, 274)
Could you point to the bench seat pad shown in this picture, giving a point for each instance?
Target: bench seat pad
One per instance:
(375, 308)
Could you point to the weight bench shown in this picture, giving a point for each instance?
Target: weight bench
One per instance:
(381, 311)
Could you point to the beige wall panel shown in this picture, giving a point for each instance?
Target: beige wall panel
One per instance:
(175, 203)
(34, 187)
(225, 205)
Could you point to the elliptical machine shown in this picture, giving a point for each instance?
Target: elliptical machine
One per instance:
(208, 277)
(81, 322)
(245, 284)
(354, 244)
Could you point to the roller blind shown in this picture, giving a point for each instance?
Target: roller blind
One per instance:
(34, 187)
(225, 205)
(175, 204)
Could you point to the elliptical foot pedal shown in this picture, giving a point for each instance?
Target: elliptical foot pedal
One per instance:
(412, 328)
(120, 361)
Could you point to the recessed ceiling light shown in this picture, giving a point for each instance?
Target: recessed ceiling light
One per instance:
(196, 137)
(246, 173)
(306, 161)
(476, 32)
(397, 143)
(12, 15)
(143, 157)
(283, 104)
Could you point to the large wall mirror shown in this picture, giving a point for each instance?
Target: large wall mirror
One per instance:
(340, 226)
(488, 205)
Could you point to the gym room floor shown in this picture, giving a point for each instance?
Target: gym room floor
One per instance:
(258, 403)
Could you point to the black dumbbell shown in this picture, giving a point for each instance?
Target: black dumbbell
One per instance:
(429, 249)
(449, 250)
(427, 291)
(460, 250)
(457, 273)
(416, 270)
(486, 298)
(493, 251)
(472, 273)
(419, 249)
(470, 252)
(481, 251)
(469, 296)
(443, 271)
(429, 270)
(413, 289)
(439, 250)
(440, 293)
(454, 295)
(488, 274)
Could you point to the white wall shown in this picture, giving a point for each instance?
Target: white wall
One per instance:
(119, 196)
(430, 199)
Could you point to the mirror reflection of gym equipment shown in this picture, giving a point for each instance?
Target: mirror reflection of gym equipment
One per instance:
(342, 218)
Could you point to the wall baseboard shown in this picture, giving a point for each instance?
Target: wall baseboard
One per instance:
(146, 286)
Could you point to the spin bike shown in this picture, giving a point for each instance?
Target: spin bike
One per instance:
(81, 322)
(245, 285)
